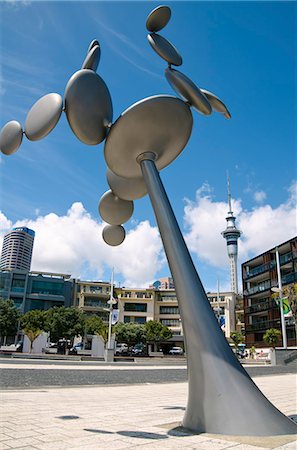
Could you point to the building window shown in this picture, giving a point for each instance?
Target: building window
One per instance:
(47, 287)
(136, 307)
(170, 322)
(169, 310)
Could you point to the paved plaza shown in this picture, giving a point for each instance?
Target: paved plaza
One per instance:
(132, 416)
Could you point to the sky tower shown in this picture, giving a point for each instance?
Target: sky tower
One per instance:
(231, 234)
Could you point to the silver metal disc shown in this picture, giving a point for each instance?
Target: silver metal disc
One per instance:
(126, 188)
(161, 124)
(43, 116)
(216, 103)
(113, 234)
(114, 210)
(188, 90)
(158, 18)
(93, 44)
(11, 137)
(165, 49)
(92, 59)
(88, 106)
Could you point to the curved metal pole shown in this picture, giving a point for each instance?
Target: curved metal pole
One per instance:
(222, 398)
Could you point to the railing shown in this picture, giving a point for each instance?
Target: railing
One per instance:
(259, 288)
(262, 306)
(290, 278)
(265, 325)
(259, 269)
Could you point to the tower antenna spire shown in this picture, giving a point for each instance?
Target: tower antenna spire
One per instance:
(231, 234)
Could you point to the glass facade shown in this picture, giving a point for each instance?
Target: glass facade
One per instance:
(47, 287)
(136, 307)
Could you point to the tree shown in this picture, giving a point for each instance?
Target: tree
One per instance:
(64, 322)
(156, 332)
(271, 337)
(130, 333)
(95, 325)
(33, 320)
(9, 316)
(33, 324)
(237, 338)
(32, 335)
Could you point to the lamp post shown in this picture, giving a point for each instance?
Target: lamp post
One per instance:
(279, 289)
(111, 302)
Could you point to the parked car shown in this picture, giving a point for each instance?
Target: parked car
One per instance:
(139, 350)
(121, 349)
(78, 346)
(176, 351)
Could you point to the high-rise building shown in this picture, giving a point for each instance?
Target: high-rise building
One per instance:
(232, 234)
(17, 249)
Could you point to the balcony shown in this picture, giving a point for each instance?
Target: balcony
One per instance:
(259, 288)
(290, 278)
(259, 269)
(263, 326)
(263, 306)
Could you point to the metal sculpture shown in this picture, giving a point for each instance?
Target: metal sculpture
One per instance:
(147, 137)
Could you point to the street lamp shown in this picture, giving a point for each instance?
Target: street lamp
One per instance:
(111, 302)
(279, 290)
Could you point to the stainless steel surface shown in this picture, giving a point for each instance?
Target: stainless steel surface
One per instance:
(113, 235)
(88, 106)
(188, 90)
(158, 18)
(217, 103)
(11, 137)
(92, 59)
(165, 49)
(222, 398)
(43, 116)
(161, 124)
(114, 210)
(93, 43)
(126, 188)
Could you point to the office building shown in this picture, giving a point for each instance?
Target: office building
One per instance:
(36, 290)
(17, 249)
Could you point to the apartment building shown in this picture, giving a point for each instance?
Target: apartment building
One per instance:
(259, 276)
(92, 297)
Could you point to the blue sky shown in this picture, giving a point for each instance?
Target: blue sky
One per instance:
(244, 52)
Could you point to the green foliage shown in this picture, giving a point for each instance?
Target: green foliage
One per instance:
(156, 332)
(130, 333)
(33, 320)
(236, 337)
(9, 316)
(64, 322)
(95, 325)
(271, 337)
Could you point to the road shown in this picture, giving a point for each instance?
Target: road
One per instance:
(25, 374)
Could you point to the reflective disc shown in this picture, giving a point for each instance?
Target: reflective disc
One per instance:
(114, 210)
(188, 90)
(165, 49)
(161, 124)
(92, 59)
(158, 18)
(216, 103)
(88, 106)
(43, 116)
(113, 234)
(126, 188)
(11, 137)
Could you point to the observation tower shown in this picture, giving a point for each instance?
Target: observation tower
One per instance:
(232, 234)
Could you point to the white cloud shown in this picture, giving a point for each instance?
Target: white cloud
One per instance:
(262, 228)
(73, 244)
(259, 196)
